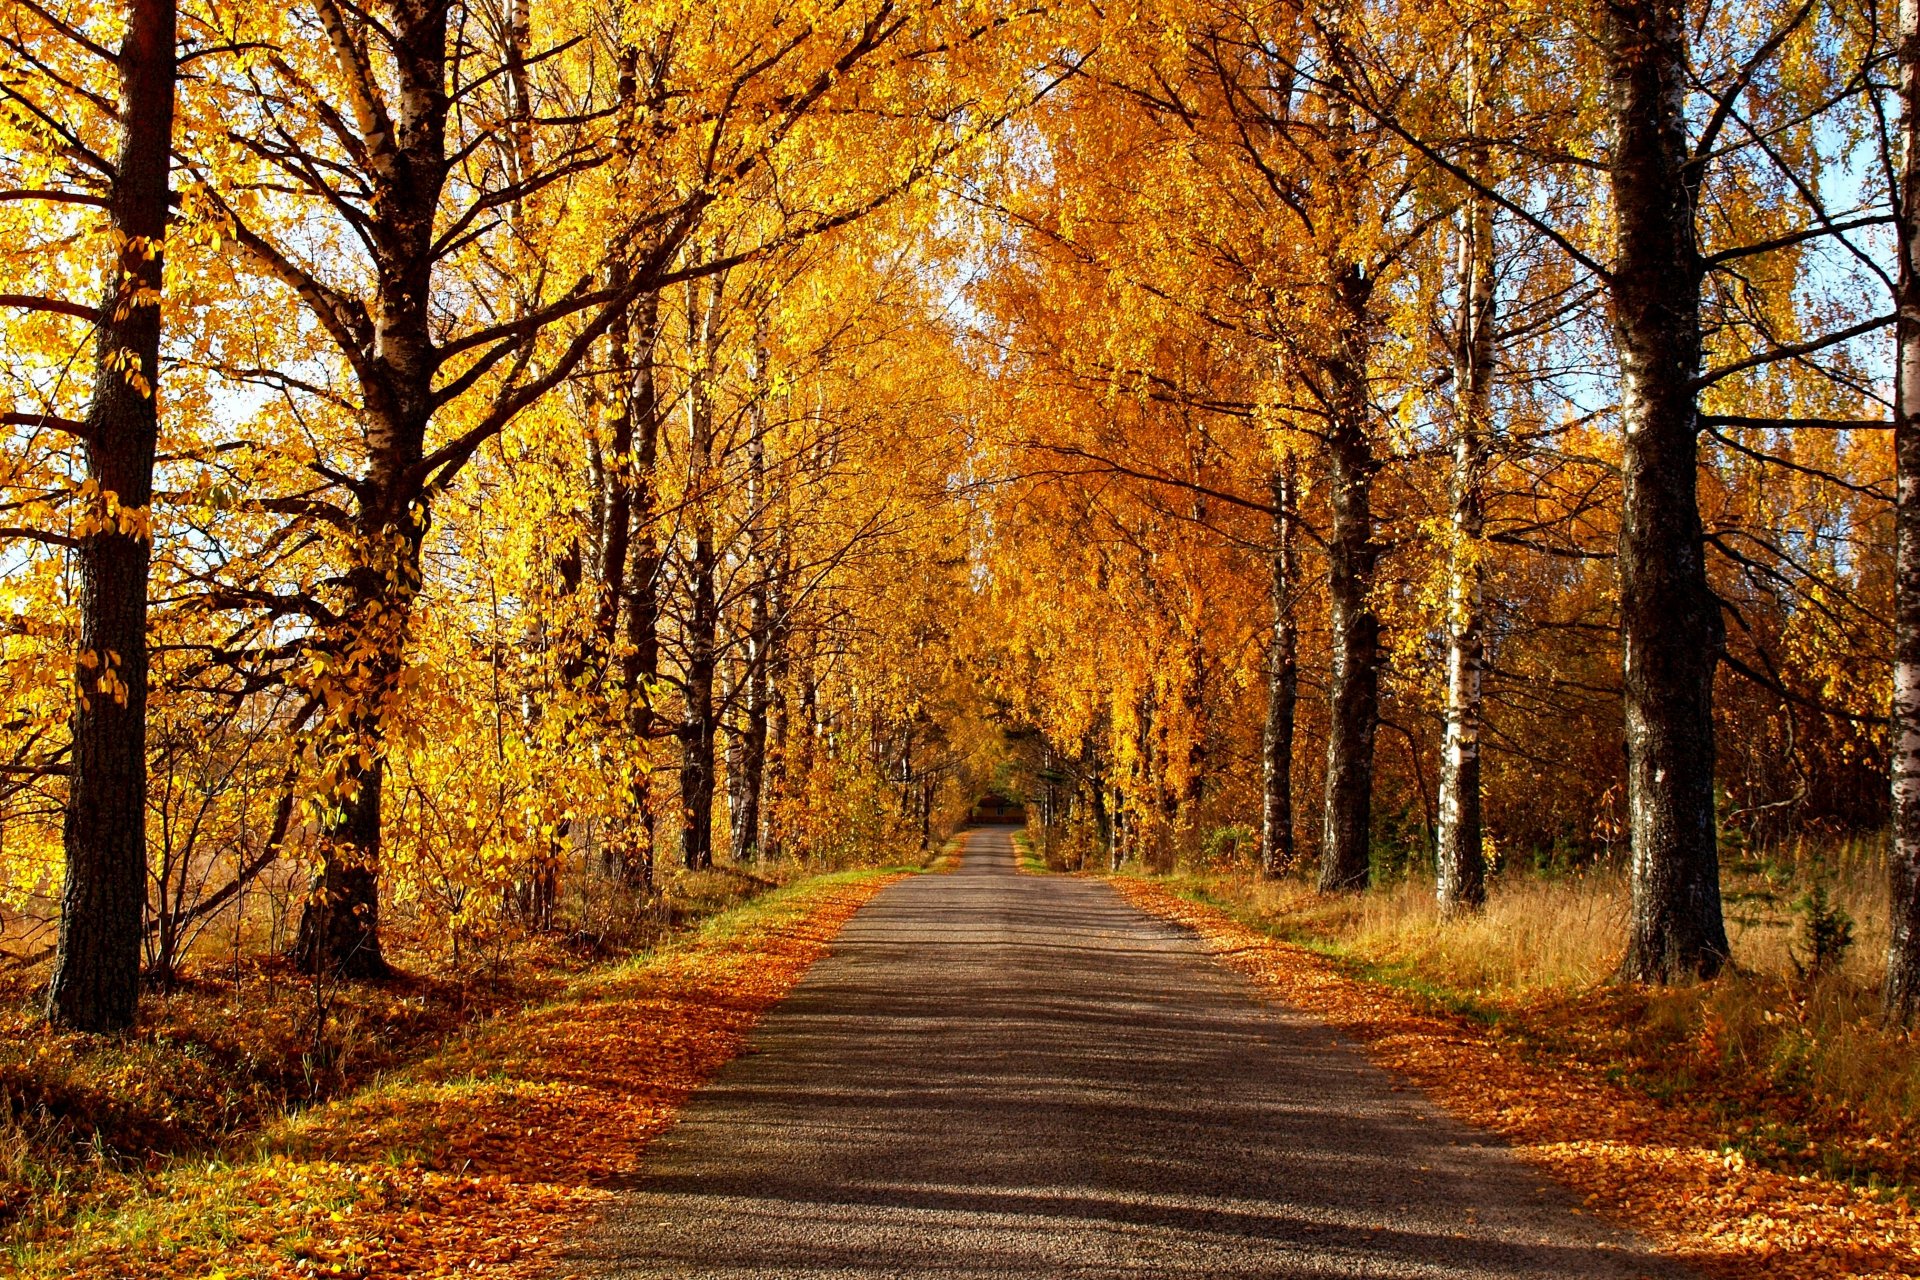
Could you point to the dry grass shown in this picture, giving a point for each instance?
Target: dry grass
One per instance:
(1792, 1061)
(1673, 1168)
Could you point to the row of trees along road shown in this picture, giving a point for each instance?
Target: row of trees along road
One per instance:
(470, 405)
(1487, 371)
(433, 424)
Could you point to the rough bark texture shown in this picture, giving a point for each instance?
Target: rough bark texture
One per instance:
(1352, 555)
(1670, 621)
(1459, 858)
(753, 737)
(407, 164)
(96, 976)
(703, 614)
(1903, 949)
(340, 930)
(640, 666)
(1283, 680)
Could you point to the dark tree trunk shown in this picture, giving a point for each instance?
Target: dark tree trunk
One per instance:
(1193, 705)
(703, 615)
(746, 839)
(1352, 556)
(1903, 948)
(697, 727)
(779, 669)
(1670, 621)
(640, 667)
(407, 164)
(96, 975)
(1283, 680)
(1096, 784)
(340, 929)
(1459, 855)
(753, 745)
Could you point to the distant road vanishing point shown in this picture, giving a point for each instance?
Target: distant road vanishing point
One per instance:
(1000, 1075)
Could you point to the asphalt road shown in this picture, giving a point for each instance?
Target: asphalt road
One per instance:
(1004, 1075)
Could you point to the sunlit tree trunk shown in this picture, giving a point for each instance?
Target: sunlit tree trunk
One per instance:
(1670, 621)
(1460, 860)
(96, 975)
(1283, 677)
(1903, 949)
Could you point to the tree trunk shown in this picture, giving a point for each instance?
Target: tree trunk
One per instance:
(703, 617)
(1903, 948)
(1352, 555)
(640, 666)
(1190, 814)
(1283, 680)
(753, 741)
(96, 975)
(1670, 621)
(1459, 856)
(779, 665)
(340, 928)
(697, 728)
(407, 163)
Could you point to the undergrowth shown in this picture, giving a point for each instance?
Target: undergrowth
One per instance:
(486, 1149)
(232, 1048)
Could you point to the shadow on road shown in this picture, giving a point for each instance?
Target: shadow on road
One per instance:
(1003, 1075)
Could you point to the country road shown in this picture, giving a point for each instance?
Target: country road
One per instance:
(1002, 1075)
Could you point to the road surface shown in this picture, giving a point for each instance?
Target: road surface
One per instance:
(998, 1075)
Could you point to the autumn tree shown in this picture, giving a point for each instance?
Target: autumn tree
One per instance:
(96, 975)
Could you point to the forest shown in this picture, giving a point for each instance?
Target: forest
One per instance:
(489, 485)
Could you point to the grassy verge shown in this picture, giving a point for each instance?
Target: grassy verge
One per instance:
(1026, 857)
(944, 856)
(478, 1152)
(1733, 1121)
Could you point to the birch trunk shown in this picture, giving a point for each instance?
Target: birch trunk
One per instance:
(1283, 680)
(1903, 949)
(1670, 621)
(96, 975)
(1460, 859)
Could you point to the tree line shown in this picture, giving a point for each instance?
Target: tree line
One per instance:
(477, 406)
(1495, 413)
(452, 442)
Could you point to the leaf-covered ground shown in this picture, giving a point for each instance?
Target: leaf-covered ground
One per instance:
(479, 1159)
(1660, 1168)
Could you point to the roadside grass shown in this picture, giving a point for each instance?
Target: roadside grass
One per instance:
(1784, 1055)
(943, 856)
(1026, 857)
(463, 1126)
(1709, 1164)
